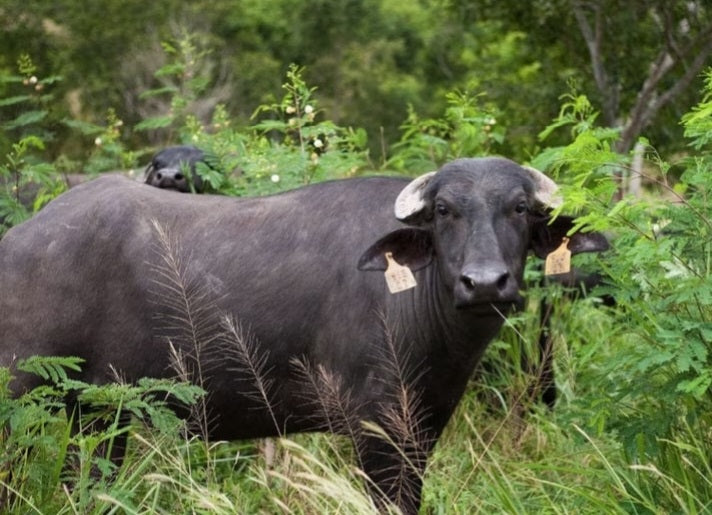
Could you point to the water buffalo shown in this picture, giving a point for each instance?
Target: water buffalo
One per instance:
(173, 168)
(282, 300)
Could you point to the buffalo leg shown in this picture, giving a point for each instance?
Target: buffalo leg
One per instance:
(395, 471)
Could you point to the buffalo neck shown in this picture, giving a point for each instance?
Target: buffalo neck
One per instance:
(450, 341)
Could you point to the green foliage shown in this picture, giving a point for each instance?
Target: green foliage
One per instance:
(53, 369)
(28, 178)
(26, 182)
(108, 152)
(286, 147)
(40, 453)
(466, 128)
(698, 122)
(654, 385)
(184, 84)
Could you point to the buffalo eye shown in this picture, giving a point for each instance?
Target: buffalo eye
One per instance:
(441, 209)
(521, 208)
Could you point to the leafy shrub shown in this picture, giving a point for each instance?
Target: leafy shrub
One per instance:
(40, 454)
(652, 385)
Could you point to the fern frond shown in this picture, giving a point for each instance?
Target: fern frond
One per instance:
(50, 368)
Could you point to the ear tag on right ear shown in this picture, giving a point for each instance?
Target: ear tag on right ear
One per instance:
(398, 277)
(559, 261)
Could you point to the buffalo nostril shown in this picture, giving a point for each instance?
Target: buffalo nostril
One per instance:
(178, 177)
(502, 281)
(469, 282)
(159, 176)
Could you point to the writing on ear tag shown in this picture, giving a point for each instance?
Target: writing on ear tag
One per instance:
(398, 277)
(559, 261)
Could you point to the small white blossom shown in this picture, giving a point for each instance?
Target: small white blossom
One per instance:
(309, 109)
(291, 110)
(491, 121)
(275, 178)
(97, 141)
(33, 80)
(318, 143)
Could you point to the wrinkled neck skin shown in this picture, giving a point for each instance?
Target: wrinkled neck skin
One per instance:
(442, 344)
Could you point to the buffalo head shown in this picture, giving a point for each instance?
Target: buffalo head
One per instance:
(478, 219)
(173, 168)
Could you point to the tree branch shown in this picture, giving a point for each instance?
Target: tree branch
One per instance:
(593, 38)
(649, 101)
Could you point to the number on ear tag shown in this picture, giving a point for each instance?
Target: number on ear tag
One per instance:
(398, 277)
(559, 261)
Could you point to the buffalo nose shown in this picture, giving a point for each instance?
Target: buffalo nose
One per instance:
(487, 284)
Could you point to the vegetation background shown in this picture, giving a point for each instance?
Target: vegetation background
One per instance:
(613, 99)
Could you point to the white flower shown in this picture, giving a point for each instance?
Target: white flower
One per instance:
(308, 109)
(318, 143)
(33, 80)
(97, 141)
(291, 110)
(275, 178)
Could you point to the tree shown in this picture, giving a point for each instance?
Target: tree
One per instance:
(637, 60)
(681, 33)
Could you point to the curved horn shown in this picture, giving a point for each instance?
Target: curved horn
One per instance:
(410, 199)
(546, 190)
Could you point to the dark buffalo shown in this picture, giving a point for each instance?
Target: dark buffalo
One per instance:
(577, 284)
(282, 299)
(173, 168)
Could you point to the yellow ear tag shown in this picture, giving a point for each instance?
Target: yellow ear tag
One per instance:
(398, 277)
(559, 261)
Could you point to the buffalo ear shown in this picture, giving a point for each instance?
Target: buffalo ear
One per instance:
(410, 247)
(547, 237)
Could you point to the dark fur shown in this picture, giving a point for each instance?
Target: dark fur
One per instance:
(83, 278)
(577, 284)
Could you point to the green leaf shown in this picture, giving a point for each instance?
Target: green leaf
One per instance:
(14, 100)
(52, 368)
(26, 118)
(159, 91)
(86, 128)
(158, 122)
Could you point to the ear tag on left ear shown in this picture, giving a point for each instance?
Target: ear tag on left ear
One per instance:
(559, 261)
(398, 277)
